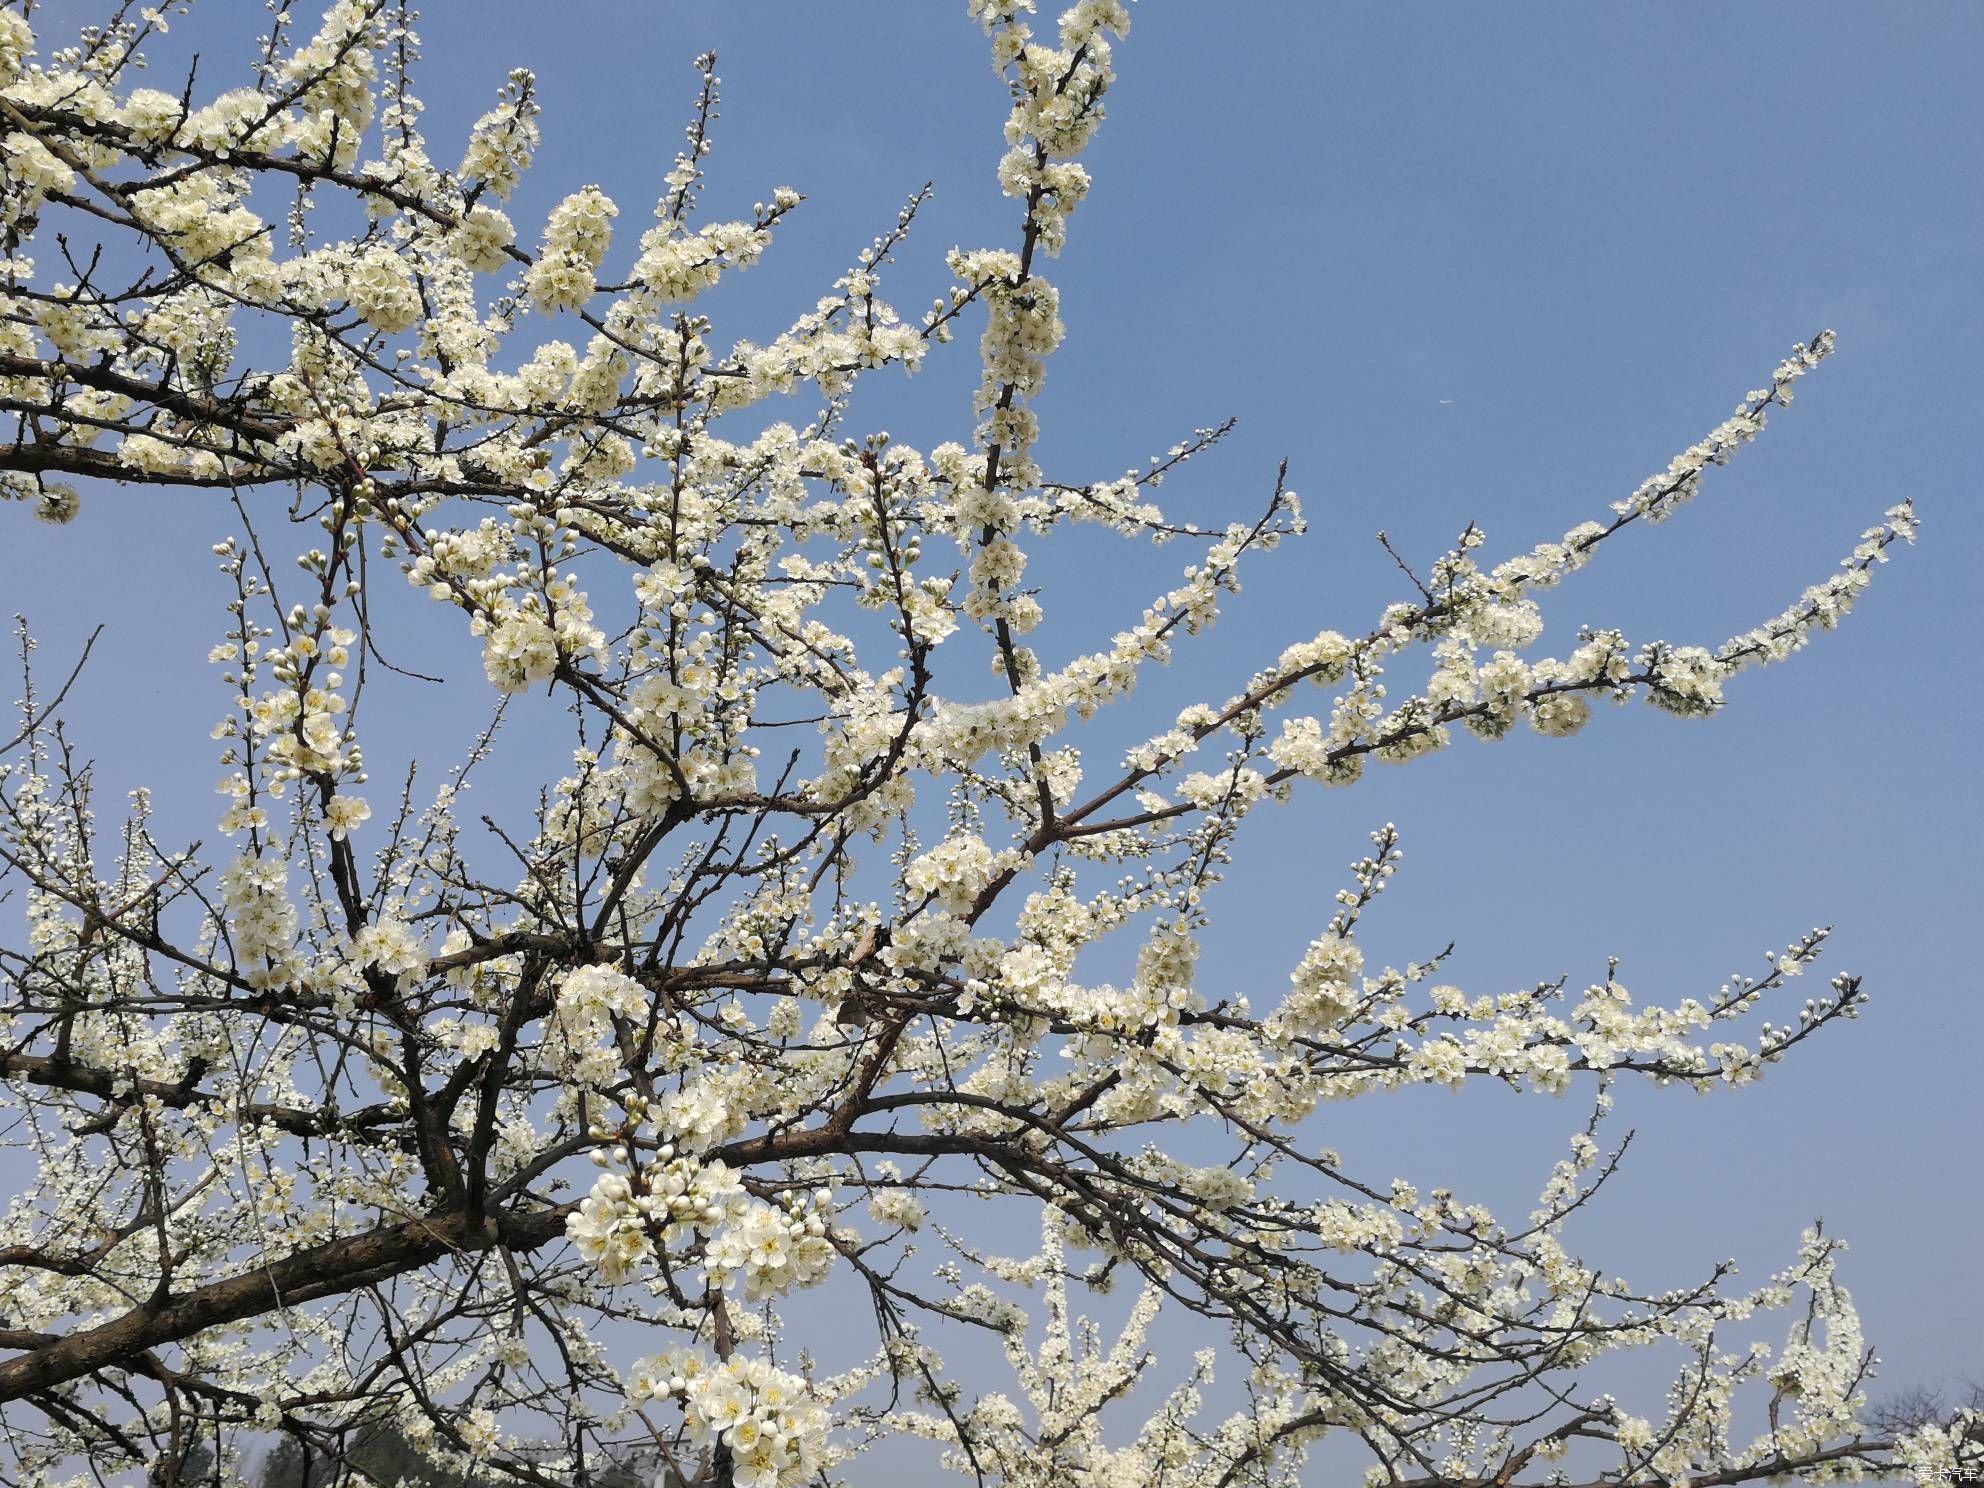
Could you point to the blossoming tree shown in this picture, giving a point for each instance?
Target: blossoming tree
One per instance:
(528, 1152)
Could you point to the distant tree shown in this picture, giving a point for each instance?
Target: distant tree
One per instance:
(806, 949)
(381, 1451)
(287, 1465)
(1923, 1407)
(191, 1465)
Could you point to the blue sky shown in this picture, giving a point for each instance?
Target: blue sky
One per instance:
(1454, 263)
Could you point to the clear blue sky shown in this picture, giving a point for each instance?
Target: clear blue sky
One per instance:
(1455, 263)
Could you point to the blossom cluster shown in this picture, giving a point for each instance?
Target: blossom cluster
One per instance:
(770, 1422)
